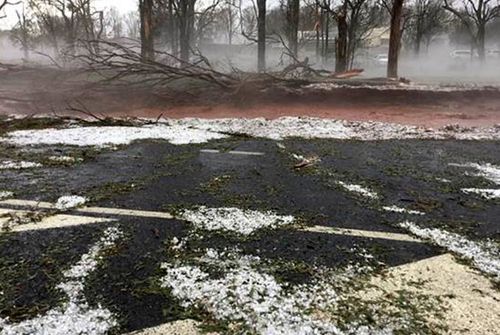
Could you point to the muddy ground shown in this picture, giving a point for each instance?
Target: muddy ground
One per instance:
(46, 91)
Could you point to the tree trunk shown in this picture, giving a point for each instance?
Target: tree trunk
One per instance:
(171, 28)
(327, 38)
(481, 34)
(317, 27)
(186, 23)
(261, 36)
(341, 42)
(418, 37)
(147, 38)
(395, 39)
(293, 14)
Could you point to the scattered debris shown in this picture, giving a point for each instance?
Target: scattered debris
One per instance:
(305, 161)
(16, 218)
(348, 74)
(244, 222)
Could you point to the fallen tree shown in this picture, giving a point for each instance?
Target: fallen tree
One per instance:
(124, 64)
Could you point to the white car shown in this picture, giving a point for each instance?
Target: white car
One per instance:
(462, 55)
(381, 59)
(493, 54)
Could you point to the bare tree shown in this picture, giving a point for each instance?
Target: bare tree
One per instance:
(132, 23)
(115, 22)
(5, 3)
(261, 35)
(147, 37)
(229, 18)
(71, 21)
(475, 15)
(395, 38)
(292, 26)
(362, 17)
(22, 33)
(427, 18)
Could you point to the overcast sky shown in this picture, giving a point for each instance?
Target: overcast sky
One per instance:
(124, 6)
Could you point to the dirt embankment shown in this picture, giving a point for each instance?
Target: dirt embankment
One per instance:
(47, 91)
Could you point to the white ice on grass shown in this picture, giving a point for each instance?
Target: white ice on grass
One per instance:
(5, 195)
(109, 136)
(397, 209)
(310, 127)
(488, 171)
(70, 201)
(12, 165)
(358, 189)
(234, 219)
(485, 193)
(276, 129)
(75, 316)
(399, 87)
(485, 256)
(253, 298)
(193, 130)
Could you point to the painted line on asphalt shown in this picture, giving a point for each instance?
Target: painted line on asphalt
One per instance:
(28, 203)
(361, 233)
(60, 221)
(124, 212)
(87, 210)
(233, 152)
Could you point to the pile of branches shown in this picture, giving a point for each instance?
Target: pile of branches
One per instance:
(124, 63)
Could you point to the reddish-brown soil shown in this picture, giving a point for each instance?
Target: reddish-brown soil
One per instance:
(49, 92)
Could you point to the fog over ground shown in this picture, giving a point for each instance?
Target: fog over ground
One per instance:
(443, 61)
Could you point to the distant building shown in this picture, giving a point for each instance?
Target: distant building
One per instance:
(378, 37)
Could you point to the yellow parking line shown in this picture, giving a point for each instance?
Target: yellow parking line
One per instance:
(124, 212)
(361, 233)
(60, 221)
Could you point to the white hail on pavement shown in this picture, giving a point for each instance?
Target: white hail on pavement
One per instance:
(244, 222)
(485, 193)
(358, 189)
(484, 255)
(254, 298)
(397, 209)
(75, 316)
(488, 171)
(19, 165)
(70, 201)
